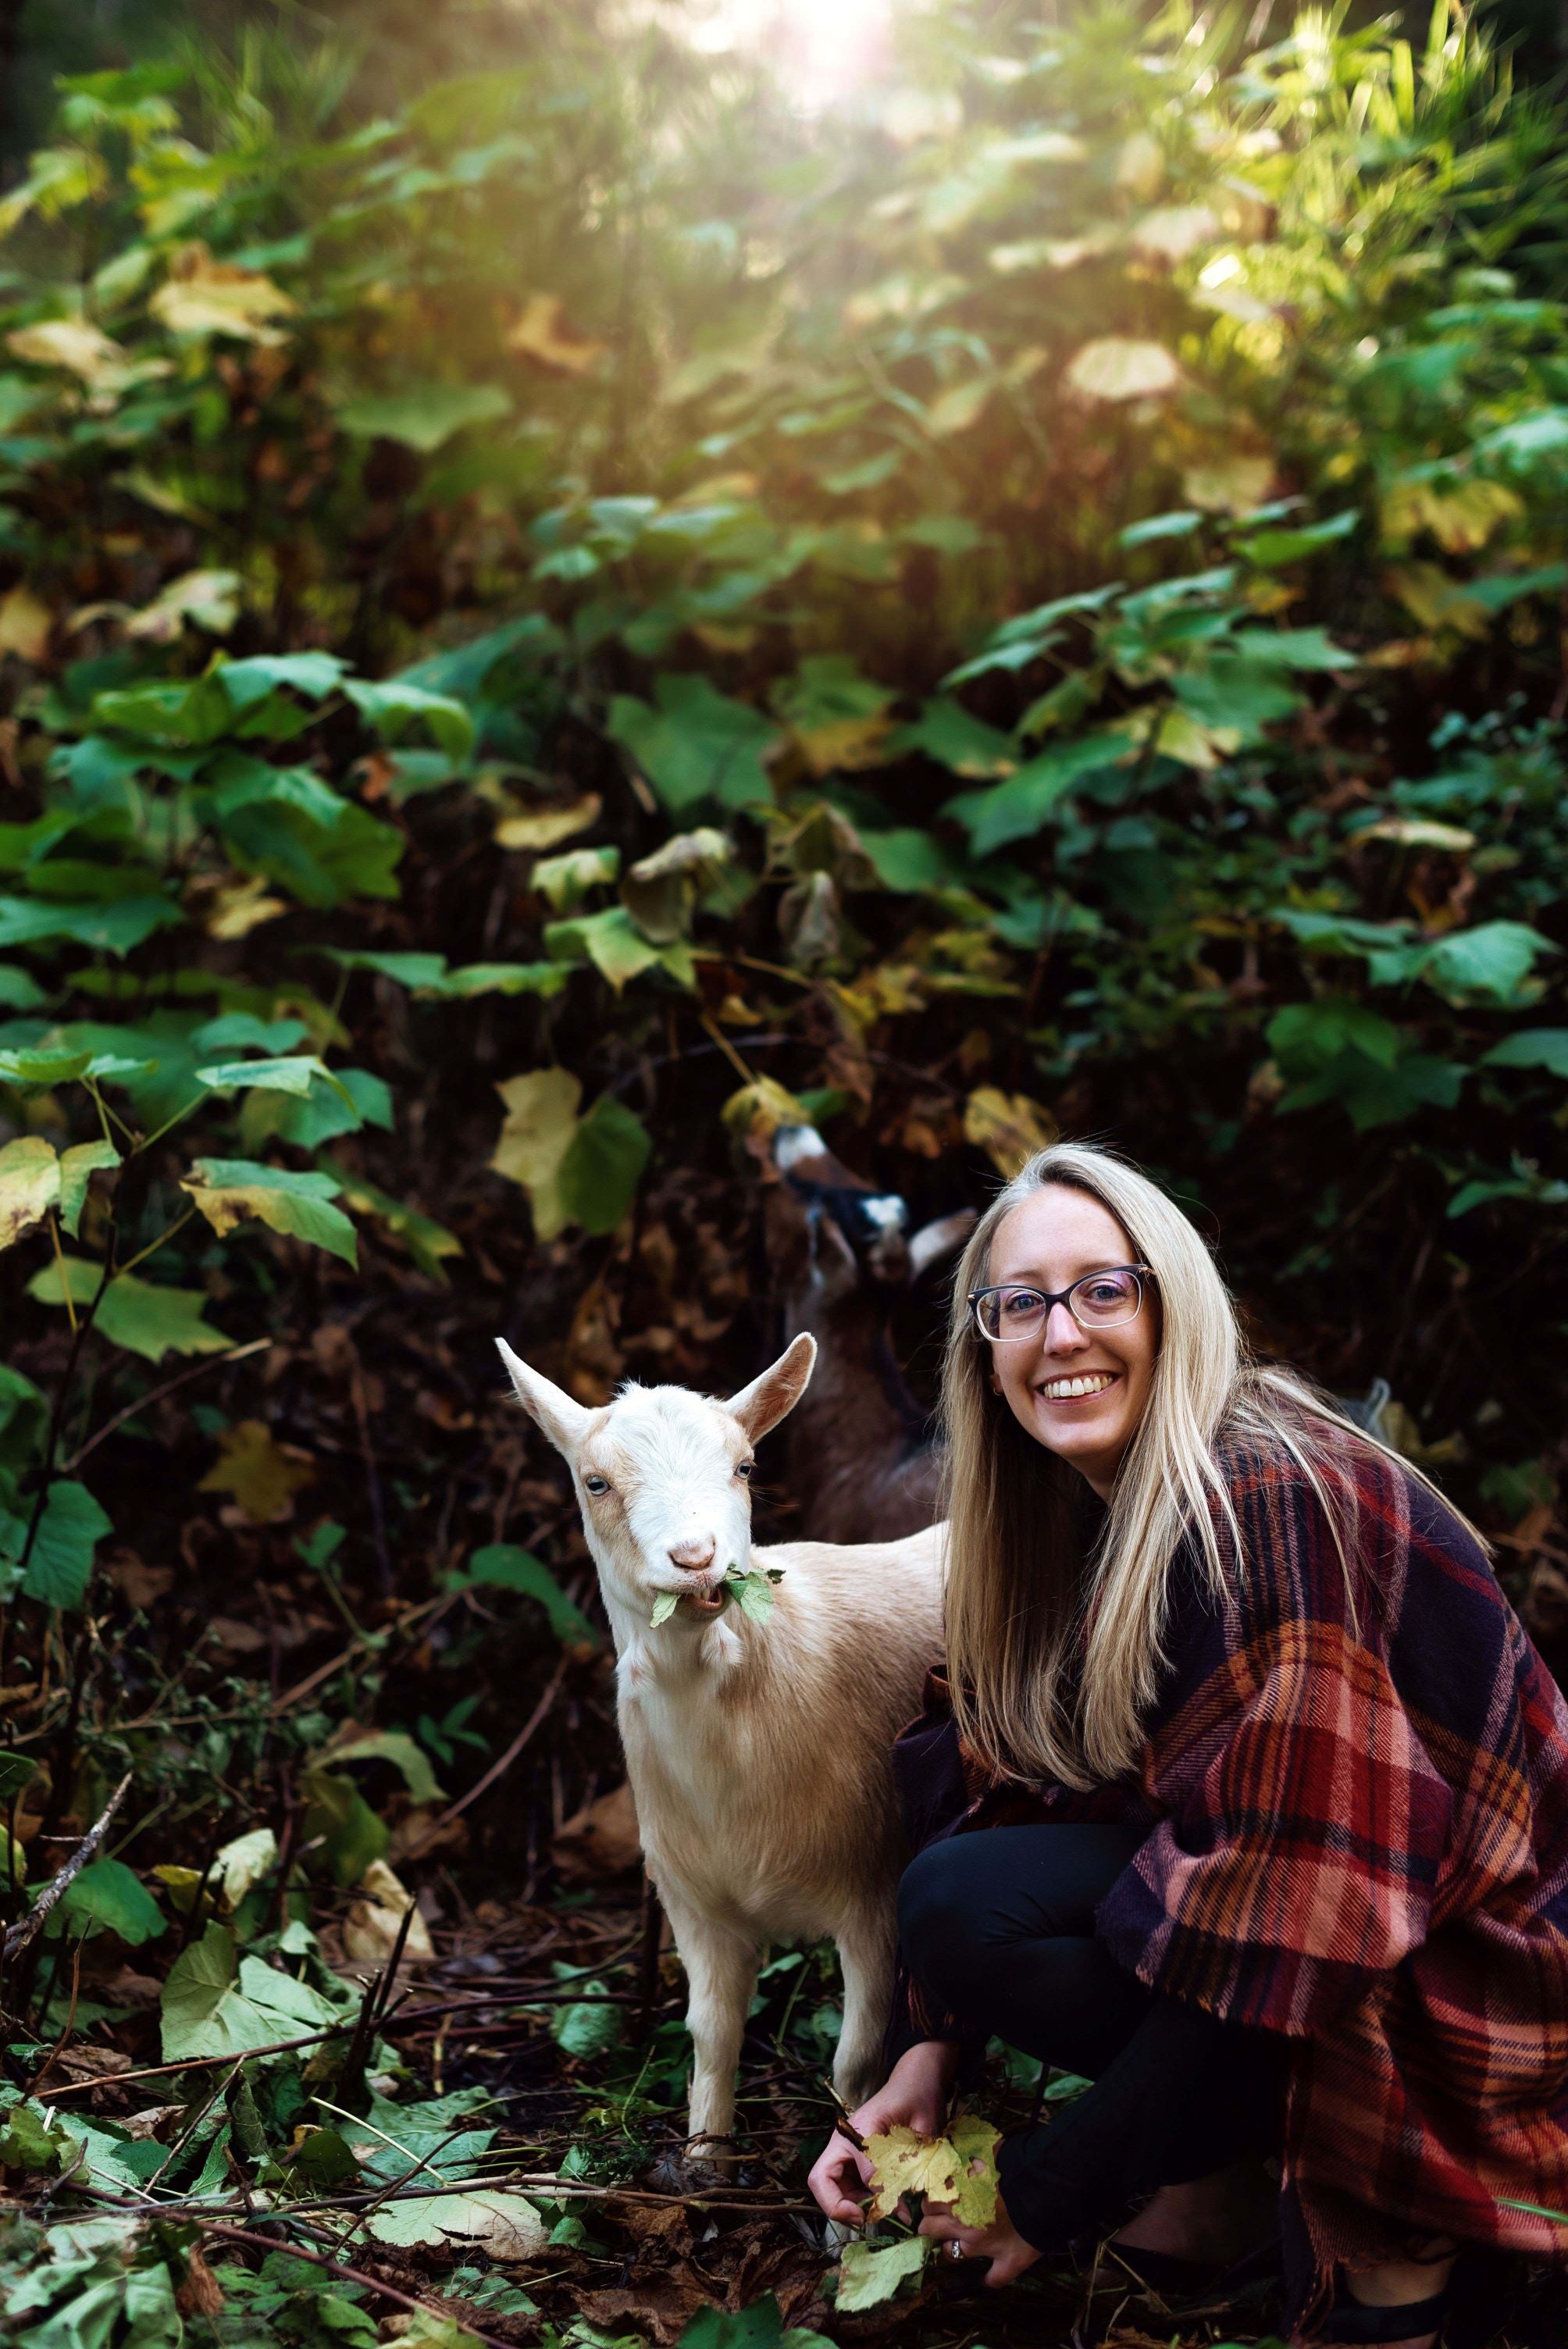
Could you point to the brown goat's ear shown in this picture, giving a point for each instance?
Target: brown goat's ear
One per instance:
(765, 1401)
(564, 1420)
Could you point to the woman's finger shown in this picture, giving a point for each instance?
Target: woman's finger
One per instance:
(941, 2226)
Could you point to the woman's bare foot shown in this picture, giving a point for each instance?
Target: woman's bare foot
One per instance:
(1213, 2219)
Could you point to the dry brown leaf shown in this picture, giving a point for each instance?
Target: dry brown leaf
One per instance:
(601, 1839)
(138, 1584)
(662, 2305)
(371, 1927)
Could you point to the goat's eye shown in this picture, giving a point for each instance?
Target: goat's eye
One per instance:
(743, 1467)
(595, 1484)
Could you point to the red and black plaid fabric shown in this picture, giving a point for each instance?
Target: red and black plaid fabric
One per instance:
(1357, 1798)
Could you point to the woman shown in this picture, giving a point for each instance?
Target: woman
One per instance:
(1244, 1794)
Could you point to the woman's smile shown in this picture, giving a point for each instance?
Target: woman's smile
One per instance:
(1079, 1387)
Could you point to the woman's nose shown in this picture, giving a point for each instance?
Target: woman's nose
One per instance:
(1062, 1334)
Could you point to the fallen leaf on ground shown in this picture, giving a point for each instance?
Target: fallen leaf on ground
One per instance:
(262, 1475)
(371, 1929)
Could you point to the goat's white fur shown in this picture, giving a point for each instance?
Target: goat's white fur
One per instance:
(758, 1751)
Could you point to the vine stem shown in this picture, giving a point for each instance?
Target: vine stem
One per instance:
(56, 1419)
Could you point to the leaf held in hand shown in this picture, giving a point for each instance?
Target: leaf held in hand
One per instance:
(958, 2170)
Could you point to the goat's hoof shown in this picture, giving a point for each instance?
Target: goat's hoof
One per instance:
(696, 2167)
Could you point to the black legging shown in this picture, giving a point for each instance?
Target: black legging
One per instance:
(999, 1927)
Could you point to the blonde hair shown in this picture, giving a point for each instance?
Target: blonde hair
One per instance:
(1023, 1584)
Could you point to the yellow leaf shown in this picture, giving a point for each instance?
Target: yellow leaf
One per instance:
(25, 625)
(1181, 736)
(843, 744)
(1175, 231)
(1437, 601)
(958, 2170)
(541, 1120)
(1116, 367)
(203, 296)
(241, 907)
(542, 335)
(545, 827)
(973, 2141)
(762, 1108)
(1009, 1127)
(29, 1186)
(1230, 485)
(1460, 519)
(70, 343)
(261, 1473)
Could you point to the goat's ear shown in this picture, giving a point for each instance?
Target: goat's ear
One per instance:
(564, 1421)
(765, 1401)
(933, 1241)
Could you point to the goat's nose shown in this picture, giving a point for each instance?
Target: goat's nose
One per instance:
(693, 1554)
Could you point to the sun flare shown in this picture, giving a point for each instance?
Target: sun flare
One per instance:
(823, 51)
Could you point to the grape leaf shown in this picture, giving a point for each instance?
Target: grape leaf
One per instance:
(958, 2170)
(870, 2274)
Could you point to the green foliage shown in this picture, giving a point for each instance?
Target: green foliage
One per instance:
(106, 1895)
(584, 580)
(506, 1568)
(211, 2007)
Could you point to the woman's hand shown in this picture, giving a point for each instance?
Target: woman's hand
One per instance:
(1000, 2242)
(915, 2093)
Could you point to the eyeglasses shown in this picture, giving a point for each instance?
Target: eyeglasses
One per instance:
(1098, 1301)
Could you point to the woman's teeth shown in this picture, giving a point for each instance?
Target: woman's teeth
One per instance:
(1063, 1390)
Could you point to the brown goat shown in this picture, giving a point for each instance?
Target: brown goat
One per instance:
(863, 1459)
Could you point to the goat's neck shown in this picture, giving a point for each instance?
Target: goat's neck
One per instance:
(858, 1397)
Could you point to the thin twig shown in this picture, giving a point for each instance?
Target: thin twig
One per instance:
(498, 1767)
(21, 1934)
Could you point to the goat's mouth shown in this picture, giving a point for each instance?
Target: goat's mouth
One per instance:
(706, 1601)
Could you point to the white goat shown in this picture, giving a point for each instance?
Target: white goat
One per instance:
(757, 1749)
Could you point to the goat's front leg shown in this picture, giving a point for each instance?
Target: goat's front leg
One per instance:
(865, 1953)
(721, 1972)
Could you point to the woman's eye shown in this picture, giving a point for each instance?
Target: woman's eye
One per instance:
(1022, 1300)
